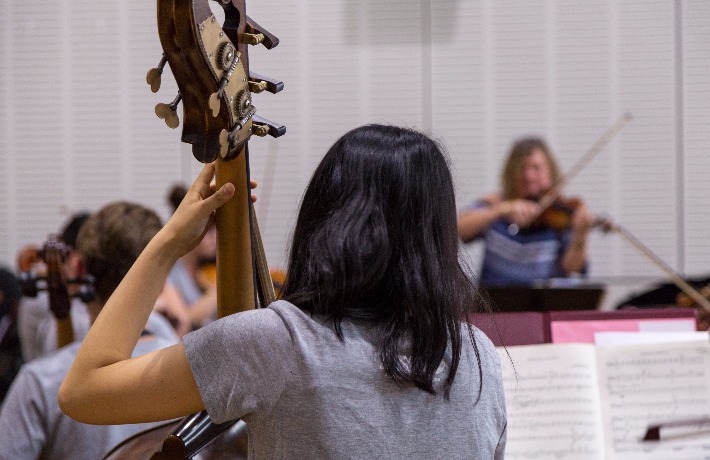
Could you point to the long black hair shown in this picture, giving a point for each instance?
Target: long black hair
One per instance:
(376, 240)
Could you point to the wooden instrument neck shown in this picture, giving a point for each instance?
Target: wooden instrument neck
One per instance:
(235, 276)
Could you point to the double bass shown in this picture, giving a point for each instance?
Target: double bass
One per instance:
(211, 66)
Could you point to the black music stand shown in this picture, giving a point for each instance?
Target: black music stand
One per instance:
(544, 298)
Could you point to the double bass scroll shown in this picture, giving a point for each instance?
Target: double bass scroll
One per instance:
(210, 63)
(211, 66)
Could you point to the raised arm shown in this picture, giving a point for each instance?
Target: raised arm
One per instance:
(105, 385)
(473, 222)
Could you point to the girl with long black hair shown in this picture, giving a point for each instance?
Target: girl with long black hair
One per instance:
(367, 354)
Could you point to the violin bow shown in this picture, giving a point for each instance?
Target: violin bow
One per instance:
(698, 426)
(556, 190)
(658, 262)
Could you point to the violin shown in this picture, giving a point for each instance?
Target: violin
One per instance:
(685, 301)
(702, 315)
(558, 215)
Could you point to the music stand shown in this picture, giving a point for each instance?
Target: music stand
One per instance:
(543, 298)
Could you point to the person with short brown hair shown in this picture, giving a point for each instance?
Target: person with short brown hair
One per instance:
(31, 423)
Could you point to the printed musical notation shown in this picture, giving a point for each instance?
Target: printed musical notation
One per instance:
(578, 401)
(552, 401)
(650, 384)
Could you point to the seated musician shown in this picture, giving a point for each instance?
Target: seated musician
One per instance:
(525, 251)
(365, 355)
(31, 423)
(37, 326)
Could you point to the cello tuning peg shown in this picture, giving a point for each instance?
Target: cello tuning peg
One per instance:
(153, 76)
(168, 112)
(259, 83)
(257, 86)
(253, 39)
(170, 116)
(223, 143)
(261, 127)
(214, 103)
(256, 34)
(153, 79)
(260, 130)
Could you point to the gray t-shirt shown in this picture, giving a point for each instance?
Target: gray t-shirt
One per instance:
(32, 425)
(37, 326)
(305, 394)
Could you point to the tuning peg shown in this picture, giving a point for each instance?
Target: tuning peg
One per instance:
(259, 83)
(229, 61)
(223, 143)
(256, 34)
(249, 112)
(153, 77)
(252, 39)
(261, 127)
(86, 291)
(168, 112)
(28, 284)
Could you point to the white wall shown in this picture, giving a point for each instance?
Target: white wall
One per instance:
(77, 128)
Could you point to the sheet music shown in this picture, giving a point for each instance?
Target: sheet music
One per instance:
(553, 403)
(642, 385)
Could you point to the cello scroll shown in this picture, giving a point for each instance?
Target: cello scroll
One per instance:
(57, 285)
